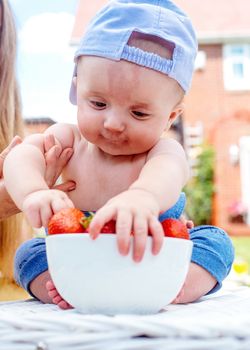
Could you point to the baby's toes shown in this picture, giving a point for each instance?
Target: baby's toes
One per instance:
(50, 285)
(64, 305)
(52, 293)
(57, 299)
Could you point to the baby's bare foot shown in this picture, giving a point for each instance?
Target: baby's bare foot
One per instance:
(179, 298)
(56, 297)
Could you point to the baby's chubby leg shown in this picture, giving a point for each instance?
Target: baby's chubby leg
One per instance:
(43, 288)
(198, 282)
(211, 261)
(31, 272)
(37, 287)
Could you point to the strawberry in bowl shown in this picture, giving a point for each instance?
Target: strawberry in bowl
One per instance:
(73, 220)
(69, 220)
(175, 228)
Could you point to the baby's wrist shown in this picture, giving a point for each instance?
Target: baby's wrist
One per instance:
(144, 191)
(33, 193)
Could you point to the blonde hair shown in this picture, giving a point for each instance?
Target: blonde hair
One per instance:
(11, 124)
(10, 112)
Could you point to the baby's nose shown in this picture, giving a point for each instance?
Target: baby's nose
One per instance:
(114, 122)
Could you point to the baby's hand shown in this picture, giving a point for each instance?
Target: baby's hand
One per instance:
(134, 210)
(41, 205)
(188, 223)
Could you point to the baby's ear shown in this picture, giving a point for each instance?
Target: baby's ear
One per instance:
(176, 112)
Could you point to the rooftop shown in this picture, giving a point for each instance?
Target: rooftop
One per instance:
(214, 20)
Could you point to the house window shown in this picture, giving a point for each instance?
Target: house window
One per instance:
(200, 61)
(236, 65)
(245, 173)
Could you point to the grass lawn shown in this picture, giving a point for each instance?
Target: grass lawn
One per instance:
(242, 248)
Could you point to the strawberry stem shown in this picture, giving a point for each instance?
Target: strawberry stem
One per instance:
(86, 220)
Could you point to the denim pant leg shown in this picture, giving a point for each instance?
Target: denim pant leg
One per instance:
(213, 250)
(30, 261)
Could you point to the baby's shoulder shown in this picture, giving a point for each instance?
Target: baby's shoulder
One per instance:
(67, 134)
(62, 127)
(165, 145)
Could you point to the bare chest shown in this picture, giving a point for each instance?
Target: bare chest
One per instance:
(97, 180)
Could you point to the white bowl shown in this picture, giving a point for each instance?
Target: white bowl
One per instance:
(93, 277)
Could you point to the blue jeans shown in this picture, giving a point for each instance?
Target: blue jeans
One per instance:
(212, 250)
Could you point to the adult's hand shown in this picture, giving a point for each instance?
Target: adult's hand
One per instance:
(55, 158)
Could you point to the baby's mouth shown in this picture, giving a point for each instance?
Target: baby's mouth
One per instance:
(113, 139)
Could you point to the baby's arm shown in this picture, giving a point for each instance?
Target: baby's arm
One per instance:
(157, 188)
(24, 176)
(165, 173)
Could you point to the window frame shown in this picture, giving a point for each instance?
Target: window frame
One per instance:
(230, 59)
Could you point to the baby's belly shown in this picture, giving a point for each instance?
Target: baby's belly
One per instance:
(93, 199)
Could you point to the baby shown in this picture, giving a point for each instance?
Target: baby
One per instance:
(133, 67)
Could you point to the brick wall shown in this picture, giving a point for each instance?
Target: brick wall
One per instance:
(37, 125)
(226, 117)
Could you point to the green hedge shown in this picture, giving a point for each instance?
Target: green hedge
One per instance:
(200, 189)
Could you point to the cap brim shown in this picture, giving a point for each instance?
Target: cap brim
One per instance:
(72, 92)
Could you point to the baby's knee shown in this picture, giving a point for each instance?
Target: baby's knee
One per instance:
(30, 261)
(213, 251)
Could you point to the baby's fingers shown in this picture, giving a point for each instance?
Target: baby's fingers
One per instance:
(190, 224)
(60, 203)
(140, 237)
(34, 217)
(124, 224)
(45, 214)
(102, 216)
(157, 233)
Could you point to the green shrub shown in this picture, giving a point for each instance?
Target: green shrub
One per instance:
(200, 189)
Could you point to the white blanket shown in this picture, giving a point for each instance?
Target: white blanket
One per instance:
(219, 321)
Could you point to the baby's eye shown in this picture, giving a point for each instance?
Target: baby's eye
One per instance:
(98, 104)
(140, 115)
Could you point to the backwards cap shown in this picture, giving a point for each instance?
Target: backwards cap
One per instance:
(108, 33)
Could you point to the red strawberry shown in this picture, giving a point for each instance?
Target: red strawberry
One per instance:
(109, 227)
(69, 220)
(175, 228)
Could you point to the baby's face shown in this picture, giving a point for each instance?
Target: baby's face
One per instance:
(123, 108)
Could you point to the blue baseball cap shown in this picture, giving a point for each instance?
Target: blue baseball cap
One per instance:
(109, 31)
